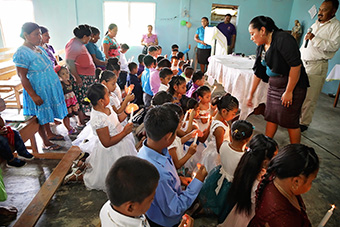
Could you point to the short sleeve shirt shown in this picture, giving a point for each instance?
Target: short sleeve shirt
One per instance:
(200, 33)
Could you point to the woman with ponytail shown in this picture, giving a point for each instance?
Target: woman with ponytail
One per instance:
(110, 45)
(289, 175)
(248, 173)
(278, 62)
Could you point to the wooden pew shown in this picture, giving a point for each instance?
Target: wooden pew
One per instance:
(37, 206)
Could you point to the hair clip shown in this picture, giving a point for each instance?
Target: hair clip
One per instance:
(243, 134)
(253, 127)
(236, 130)
(57, 68)
(87, 100)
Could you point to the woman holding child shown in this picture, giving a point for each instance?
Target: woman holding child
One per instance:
(81, 66)
(278, 62)
(43, 96)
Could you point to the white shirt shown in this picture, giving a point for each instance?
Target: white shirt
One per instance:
(325, 43)
(118, 92)
(123, 63)
(109, 218)
(163, 87)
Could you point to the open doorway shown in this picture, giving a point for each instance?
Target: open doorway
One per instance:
(218, 12)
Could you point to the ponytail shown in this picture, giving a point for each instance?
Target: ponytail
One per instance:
(263, 21)
(241, 130)
(104, 75)
(226, 101)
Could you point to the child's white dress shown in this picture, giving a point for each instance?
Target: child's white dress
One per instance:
(101, 159)
(210, 157)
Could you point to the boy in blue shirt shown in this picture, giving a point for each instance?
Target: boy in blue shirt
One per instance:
(132, 78)
(149, 63)
(170, 202)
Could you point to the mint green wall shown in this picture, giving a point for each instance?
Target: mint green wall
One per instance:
(300, 12)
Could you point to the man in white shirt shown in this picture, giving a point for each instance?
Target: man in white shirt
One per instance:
(320, 45)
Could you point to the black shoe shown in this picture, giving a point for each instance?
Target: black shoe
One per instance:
(27, 156)
(16, 163)
(303, 128)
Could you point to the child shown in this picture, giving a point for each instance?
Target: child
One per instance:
(110, 143)
(141, 65)
(155, 81)
(170, 202)
(161, 97)
(123, 66)
(247, 176)
(180, 65)
(165, 75)
(11, 138)
(175, 48)
(132, 78)
(152, 50)
(97, 55)
(179, 157)
(203, 95)
(198, 80)
(177, 89)
(113, 65)
(130, 194)
(70, 98)
(227, 106)
(149, 64)
(188, 71)
(213, 196)
(174, 63)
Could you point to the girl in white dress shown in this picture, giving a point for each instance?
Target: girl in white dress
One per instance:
(247, 176)
(227, 106)
(111, 140)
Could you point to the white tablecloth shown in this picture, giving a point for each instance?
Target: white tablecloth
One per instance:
(334, 74)
(236, 75)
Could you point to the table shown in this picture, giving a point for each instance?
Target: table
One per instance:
(335, 75)
(236, 75)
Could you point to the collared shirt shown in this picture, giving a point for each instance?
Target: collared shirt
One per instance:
(170, 201)
(111, 218)
(123, 63)
(192, 89)
(200, 33)
(155, 81)
(146, 81)
(325, 43)
(228, 30)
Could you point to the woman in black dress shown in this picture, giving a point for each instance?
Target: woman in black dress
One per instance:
(278, 62)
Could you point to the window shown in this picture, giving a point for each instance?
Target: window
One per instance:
(132, 19)
(13, 14)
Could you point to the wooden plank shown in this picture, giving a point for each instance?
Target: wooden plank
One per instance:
(8, 75)
(6, 57)
(6, 49)
(7, 68)
(37, 206)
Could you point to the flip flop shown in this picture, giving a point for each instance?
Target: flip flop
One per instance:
(53, 147)
(57, 137)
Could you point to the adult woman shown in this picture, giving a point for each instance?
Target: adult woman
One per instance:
(149, 40)
(278, 58)
(81, 66)
(203, 49)
(110, 45)
(290, 174)
(97, 55)
(44, 43)
(43, 95)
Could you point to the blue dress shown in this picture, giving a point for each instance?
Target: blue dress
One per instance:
(45, 82)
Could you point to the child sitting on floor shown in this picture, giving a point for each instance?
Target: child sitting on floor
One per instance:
(165, 75)
(170, 201)
(70, 98)
(213, 196)
(198, 80)
(132, 78)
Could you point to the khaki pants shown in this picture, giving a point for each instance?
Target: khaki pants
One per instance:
(317, 72)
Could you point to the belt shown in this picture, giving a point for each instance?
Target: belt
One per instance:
(314, 61)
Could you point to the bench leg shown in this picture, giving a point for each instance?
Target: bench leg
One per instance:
(336, 97)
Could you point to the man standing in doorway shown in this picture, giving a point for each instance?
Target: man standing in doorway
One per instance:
(320, 45)
(229, 31)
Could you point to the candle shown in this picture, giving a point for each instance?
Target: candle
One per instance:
(208, 119)
(186, 115)
(191, 61)
(193, 175)
(131, 116)
(195, 140)
(213, 89)
(327, 216)
(199, 165)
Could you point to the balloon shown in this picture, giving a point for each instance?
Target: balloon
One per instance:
(189, 25)
(183, 22)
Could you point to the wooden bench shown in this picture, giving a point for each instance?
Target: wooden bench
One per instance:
(37, 206)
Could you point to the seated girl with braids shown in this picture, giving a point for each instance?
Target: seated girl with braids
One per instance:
(289, 175)
(248, 173)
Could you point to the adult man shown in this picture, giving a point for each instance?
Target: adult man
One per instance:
(229, 31)
(323, 42)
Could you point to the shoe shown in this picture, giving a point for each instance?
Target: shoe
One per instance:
(16, 163)
(53, 147)
(26, 156)
(57, 137)
(303, 128)
(74, 173)
(73, 131)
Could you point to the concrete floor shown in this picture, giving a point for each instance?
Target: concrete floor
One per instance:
(73, 205)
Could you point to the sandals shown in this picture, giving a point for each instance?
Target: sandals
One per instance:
(73, 174)
(56, 137)
(53, 147)
(80, 127)
(73, 131)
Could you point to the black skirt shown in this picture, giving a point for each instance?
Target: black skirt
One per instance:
(287, 117)
(203, 55)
